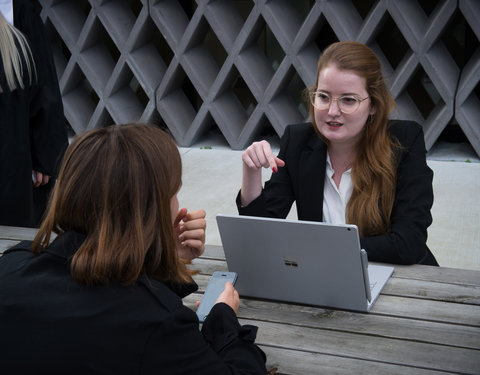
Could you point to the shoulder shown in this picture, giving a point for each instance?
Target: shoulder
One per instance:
(27, 19)
(162, 293)
(300, 135)
(406, 132)
(15, 257)
(22, 248)
(300, 130)
(24, 13)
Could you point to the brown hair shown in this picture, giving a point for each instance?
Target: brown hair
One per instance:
(374, 170)
(115, 186)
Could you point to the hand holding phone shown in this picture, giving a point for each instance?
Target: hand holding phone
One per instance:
(215, 287)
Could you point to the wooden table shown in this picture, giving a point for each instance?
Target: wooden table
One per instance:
(427, 321)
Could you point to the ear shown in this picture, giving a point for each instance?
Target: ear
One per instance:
(373, 109)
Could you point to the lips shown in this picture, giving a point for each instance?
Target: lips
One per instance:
(334, 124)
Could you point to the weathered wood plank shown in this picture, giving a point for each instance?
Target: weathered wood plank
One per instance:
(17, 233)
(435, 311)
(294, 362)
(438, 274)
(367, 347)
(411, 308)
(208, 266)
(457, 293)
(345, 321)
(213, 252)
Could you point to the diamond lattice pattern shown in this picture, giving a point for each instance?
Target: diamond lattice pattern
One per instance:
(239, 67)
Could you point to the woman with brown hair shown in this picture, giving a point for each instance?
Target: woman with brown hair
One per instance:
(105, 295)
(351, 164)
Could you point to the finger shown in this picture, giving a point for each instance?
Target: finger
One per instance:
(250, 156)
(255, 154)
(195, 239)
(229, 287)
(195, 215)
(180, 215)
(279, 162)
(194, 243)
(247, 160)
(194, 224)
(45, 179)
(227, 292)
(268, 155)
(38, 178)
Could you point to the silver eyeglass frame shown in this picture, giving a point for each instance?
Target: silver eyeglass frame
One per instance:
(312, 95)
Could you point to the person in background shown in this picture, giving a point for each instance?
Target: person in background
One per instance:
(351, 164)
(32, 125)
(105, 295)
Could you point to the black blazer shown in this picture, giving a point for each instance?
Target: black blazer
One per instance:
(50, 324)
(302, 180)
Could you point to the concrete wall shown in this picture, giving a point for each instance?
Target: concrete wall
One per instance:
(238, 67)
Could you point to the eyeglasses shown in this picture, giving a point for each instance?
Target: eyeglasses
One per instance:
(346, 103)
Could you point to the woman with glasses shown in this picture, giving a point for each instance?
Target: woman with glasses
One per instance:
(351, 164)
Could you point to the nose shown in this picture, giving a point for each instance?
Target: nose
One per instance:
(334, 109)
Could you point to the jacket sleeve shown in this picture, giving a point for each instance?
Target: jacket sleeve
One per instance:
(222, 347)
(277, 196)
(406, 241)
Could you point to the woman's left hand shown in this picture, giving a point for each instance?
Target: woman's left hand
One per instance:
(189, 229)
(39, 178)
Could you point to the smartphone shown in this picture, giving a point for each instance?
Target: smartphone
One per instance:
(215, 287)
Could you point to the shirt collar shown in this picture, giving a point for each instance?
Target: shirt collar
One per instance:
(66, 244)
(6, 8)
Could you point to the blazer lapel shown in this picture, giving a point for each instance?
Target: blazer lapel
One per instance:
(312, 179)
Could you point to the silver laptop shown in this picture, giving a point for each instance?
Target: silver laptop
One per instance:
(301, 261)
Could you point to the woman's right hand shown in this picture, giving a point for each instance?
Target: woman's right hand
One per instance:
(259, 154)
(230, 297)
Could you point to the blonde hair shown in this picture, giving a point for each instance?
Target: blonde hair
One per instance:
(17, 57)
(374, 171)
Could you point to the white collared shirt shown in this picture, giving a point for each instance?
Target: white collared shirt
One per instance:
(335, 199)
(6, 8)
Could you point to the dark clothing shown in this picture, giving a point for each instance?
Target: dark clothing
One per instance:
(51, 324)
(303, 177)
(32, 126)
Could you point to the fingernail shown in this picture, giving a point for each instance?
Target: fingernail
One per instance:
(274, 169)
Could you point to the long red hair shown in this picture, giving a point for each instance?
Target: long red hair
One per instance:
(374, 169)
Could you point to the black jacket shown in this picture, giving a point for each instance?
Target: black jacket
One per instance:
(302, 180)
(50, 324)
(33, 132)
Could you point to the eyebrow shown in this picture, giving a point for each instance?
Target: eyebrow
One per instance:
(343, 94)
